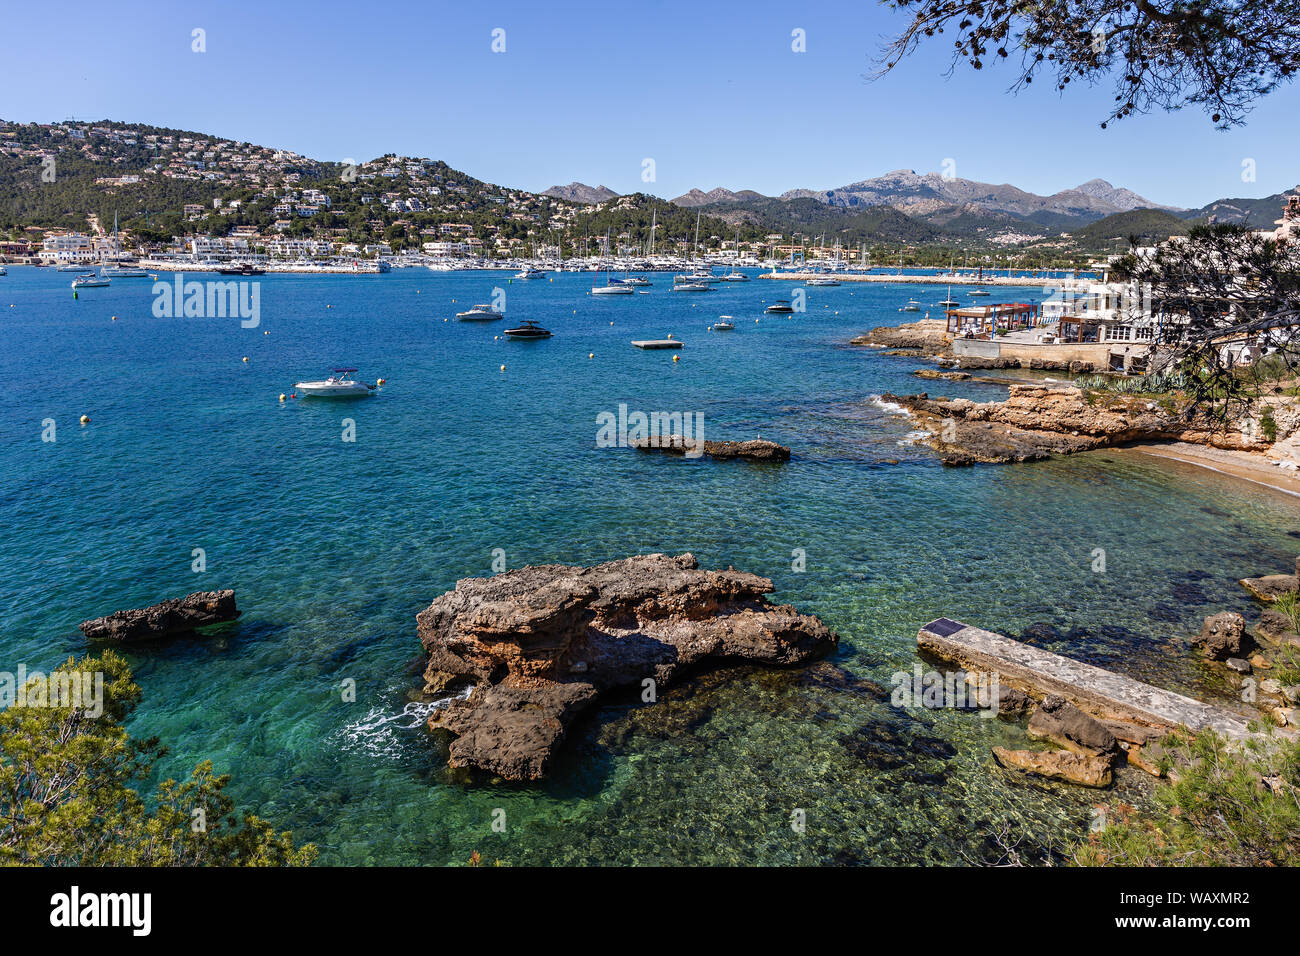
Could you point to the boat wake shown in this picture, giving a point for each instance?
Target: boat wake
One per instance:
(377, 733)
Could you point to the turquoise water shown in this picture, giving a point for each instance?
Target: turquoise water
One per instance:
(334, 546)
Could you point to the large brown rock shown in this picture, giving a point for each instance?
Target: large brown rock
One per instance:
(1058, 720)
(540, 644)
(755, 449)
(1270, 587)
(1223, 635)
(173, 616)
(1087, 770)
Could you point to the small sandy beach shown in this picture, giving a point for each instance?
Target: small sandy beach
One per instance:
(1248, 466)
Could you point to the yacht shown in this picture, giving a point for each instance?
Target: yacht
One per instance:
(637, 281)
(528, 272)
(123, 272)
(242, 269)
(823, 280)
(90, 280)
(528, 329)
(613, 287)
(339, 385)
(724, 324)
(480, 313)
(780, 307)
(71, 267)
(734, 275)
(978, 292)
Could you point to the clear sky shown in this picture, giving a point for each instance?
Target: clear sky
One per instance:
(711, 91)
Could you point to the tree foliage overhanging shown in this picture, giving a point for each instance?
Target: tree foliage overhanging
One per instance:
(1218, 55)
(69, 792)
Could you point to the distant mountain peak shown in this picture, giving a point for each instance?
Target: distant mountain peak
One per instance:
(697, 197)
(581, 192)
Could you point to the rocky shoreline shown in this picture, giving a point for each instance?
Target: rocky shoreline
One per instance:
(539, 645)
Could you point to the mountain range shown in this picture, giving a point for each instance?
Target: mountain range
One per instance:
(580, 192)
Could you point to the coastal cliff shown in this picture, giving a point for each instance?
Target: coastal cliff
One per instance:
(540, 644)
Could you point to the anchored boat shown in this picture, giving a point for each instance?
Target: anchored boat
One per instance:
(780, 306)
(480, 313)
(339, 385)
(528, 329)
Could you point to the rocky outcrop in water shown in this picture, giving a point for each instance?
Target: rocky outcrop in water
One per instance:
(1083, 769)
(926, 337)
(541, 644)
(1223, 636)
(171, 617)
(1037, 421)
(756, 449)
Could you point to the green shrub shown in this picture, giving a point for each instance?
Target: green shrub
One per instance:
(68, 796)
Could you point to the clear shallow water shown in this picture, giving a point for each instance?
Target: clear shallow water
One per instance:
(333, 547)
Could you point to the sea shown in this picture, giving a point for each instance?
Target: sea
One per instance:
(336, 522)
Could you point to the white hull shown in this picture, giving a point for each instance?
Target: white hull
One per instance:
(612, 290)
(331, 389)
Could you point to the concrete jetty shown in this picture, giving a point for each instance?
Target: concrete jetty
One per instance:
(1101, 693)
(657, 343)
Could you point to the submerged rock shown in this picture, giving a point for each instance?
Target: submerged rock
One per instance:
(540, 644)
(168, 618)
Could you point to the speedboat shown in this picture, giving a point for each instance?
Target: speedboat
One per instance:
(636, 280)
(734, 276)
(823, 280)
(723, 324)
(912, 306)
(3, 271)
(780, 306)
(71, 267)
(528, 272)
(480, 313)
(338, 385)
(528, 329)
(90, 280)
(978, 292)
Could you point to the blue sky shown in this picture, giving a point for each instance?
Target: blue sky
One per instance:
(711, 92)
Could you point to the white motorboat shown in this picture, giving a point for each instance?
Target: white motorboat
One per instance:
(683, 284)
(823, 280)
(3, 271)
(71, 267)
(339, 385)
(90, 280)
(912, 306)
(528, 272)
(734, 276)
(978, 292)
(637, 280)
(724, 324)
(480, 313)
(613, 288)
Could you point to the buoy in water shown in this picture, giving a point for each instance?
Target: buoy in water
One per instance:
(676, 357)
(381, 381)
(85, 419)
(591, 355)
(282, 396)
(503, 368)
(245, 358)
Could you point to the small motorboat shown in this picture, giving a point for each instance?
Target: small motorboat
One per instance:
(480, 313)
(690, 284)
(528, 272)
(912, 306)
(636, 280)
(528, 329)
(780, 306)
(90, 280)
(734, 276)
(823, 280)
(3, 271)
(723, 324)
(978, 292)
(339, 385)
(238, 268)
